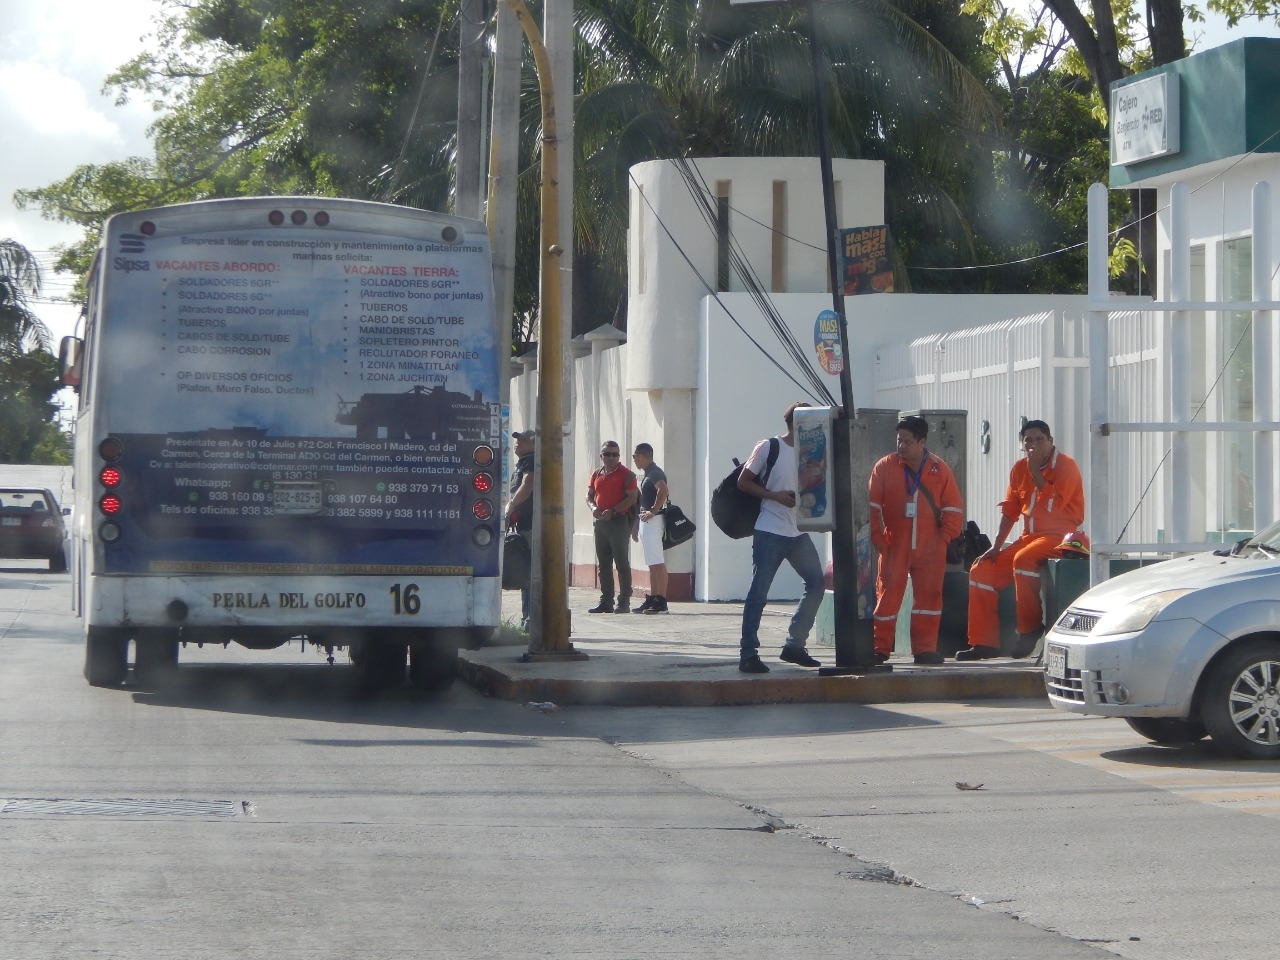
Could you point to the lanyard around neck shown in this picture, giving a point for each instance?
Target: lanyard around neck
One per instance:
(912, 477)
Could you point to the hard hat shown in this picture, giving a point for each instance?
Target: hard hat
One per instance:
(1075, 542)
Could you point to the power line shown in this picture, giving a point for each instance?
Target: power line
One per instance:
(723, 306)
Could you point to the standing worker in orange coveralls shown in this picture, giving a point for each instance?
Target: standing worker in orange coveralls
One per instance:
(1045, 489)
(915, 512)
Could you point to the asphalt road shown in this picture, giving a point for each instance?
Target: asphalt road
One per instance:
(261, 809)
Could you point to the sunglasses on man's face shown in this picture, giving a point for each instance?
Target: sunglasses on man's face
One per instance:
(609, 453)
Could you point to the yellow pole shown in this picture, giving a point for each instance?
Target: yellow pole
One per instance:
(549, 633)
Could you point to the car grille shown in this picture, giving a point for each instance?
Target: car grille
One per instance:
(1070, 687)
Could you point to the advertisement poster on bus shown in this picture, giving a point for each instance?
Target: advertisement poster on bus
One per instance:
(300, 396)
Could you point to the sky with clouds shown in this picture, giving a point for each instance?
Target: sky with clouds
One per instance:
(54, 55)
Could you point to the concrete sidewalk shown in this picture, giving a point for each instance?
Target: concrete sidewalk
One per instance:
(689, 657)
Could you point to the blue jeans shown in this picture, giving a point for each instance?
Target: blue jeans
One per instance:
(768, 550)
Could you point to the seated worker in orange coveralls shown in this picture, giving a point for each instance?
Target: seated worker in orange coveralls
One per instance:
(915, 511)
(1045, 489)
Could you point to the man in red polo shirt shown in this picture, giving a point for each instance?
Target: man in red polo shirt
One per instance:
(611, 493)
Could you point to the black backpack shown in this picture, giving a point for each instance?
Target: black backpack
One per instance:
(735, 511)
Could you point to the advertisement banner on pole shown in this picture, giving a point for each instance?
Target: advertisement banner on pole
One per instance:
(864, 260)
(826, 340)
(815, 489)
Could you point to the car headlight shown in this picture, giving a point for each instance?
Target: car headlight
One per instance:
(1135, 616)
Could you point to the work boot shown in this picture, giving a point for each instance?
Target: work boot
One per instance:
(978, 652)
(752, 665)
(930, 658)
(604, 606)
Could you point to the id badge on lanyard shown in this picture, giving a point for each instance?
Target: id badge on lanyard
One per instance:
(911, 510)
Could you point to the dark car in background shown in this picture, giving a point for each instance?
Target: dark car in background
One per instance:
(31, 527)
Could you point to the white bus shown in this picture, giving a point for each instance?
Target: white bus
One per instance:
(288, 428)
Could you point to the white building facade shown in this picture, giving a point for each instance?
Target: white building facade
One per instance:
(701, 375)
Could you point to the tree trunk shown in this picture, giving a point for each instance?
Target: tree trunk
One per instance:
(1165, 31)
(1100, 50)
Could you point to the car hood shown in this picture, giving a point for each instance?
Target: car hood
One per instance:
(1195, 573)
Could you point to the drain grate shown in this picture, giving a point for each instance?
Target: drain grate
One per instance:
(43, 806)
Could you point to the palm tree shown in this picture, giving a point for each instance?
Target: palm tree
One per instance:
(702, 78)
(20, 329)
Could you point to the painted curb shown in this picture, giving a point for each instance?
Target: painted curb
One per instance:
(509, 682)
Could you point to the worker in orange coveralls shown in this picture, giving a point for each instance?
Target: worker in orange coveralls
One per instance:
(1046, 491)
(915, 512)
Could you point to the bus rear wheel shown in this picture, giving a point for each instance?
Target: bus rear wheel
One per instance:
(433, 664)
(379, 663)
(106, 656)
(155, 659)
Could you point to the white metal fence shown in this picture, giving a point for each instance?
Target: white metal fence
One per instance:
(1146, 394)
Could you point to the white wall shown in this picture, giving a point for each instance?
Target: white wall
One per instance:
(690, 380)
(741, 394)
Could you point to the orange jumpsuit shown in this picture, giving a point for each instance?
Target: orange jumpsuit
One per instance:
(911, 541)
(1048, 514)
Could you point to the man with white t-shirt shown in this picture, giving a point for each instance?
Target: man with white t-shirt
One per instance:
(777, 538)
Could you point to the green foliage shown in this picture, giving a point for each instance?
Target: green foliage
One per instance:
(28, 381)
(279, 97)
(907, 81)
(1123, 257)
(19, 279)
(986, 116)
(28, 375)
(1237, 11)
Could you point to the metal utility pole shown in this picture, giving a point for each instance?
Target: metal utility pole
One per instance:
(468, 165)
(504, 144)
(549, 616)
(844, 557)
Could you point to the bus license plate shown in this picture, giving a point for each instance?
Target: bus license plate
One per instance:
(296, 499)
(1055, 662)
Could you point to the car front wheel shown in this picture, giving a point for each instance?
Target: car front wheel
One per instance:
(1241, 703)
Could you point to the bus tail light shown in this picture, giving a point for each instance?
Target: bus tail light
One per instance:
(110, 477)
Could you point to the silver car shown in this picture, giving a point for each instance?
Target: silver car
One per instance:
(1180, 649)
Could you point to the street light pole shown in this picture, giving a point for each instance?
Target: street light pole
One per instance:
(549, 617)
(844, 557)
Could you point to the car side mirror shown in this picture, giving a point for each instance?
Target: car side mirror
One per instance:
(70, 352)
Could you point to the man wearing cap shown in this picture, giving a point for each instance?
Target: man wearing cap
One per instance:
(1046, 491)
(520, 506)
